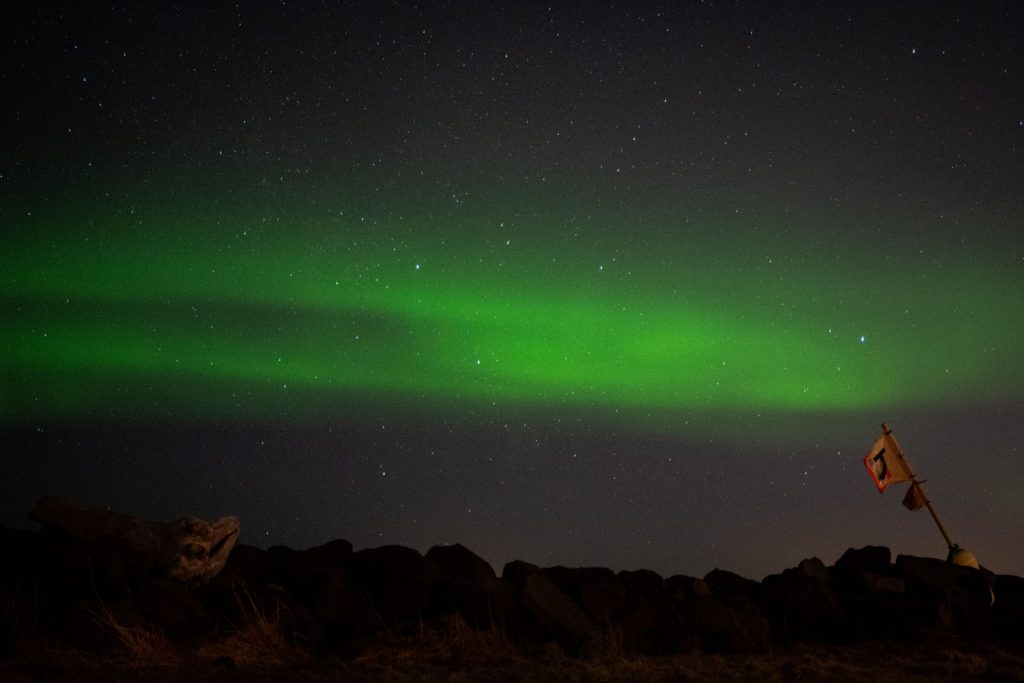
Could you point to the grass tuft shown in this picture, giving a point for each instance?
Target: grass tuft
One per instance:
(259, 639)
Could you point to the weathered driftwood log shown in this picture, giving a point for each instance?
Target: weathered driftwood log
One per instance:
(188, 550)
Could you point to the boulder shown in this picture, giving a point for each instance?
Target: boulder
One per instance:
(929, 574)
(641, 583)
(884, 616)
(189, 551)
(725, 583)
(970, 602)
(391, 588)
(877, 583)
(389, 570)
(459, 562)
(646, 627)
(250, 565)
(317, 579)
(468, 586)
(80, 569)
(729, 625)
(874, 558)
(558, 614)
(19, 546)
(596, 589)
(1008, 611)
(801, 608)
(169, 605)
(813, 568)
(681, 587)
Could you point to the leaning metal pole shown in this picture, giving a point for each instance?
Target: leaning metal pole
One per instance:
(915, 482)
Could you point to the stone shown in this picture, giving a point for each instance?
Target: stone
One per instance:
(874, 558)
(558, 615)
(459, 562)
(250, 565)
(641, 583)
(877, 583)
(596, 589)
(681, 587)
(645, 626)
(389, 570)
(556, 612)
(188, 550)
(801, 608)
(813, 568)
(169, 605)
(929, 573)
(317, 578)
(724, 583)
(722, 624)
(468, 586)
(1008, 611)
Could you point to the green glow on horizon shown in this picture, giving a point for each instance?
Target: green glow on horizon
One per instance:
(236, 316)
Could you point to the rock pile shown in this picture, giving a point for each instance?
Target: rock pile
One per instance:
(334, 600)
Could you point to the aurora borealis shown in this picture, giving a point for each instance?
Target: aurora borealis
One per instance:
(337, 312)
(418, 291)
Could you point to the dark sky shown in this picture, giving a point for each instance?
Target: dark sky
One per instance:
(624, 285)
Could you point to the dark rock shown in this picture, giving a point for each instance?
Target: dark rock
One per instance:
(188, 550)
(724, 583)
(873, 558)
(646, 627)
(800, 607)
(282, 560)
(876, 583)
(680, 587)
(459, 562)
(1008, 611)
(729, 625)
(390, 570)
(468, 586)
(885, 616)
(556, 612)
(641, 583)
(516, 571)
(333, 553)
(317, 579)
(391, 588)
(970, 602)
(928, 574)
(86, 570)
(813, 568)
(249, 564)
(558, 615)
(226, 662)
(19, 549)
(403, 609)
(596, 589)
(169, 605)
(483, 603)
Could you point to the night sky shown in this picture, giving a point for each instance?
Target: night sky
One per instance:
(627, 285)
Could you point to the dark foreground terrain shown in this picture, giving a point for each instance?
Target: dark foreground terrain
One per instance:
(72, 609)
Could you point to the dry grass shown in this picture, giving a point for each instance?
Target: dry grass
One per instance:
(136, 646)
(259, 647)
(449, 657)
(259, 639)
(447, 642)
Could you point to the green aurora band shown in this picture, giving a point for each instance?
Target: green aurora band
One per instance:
(246, 313)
